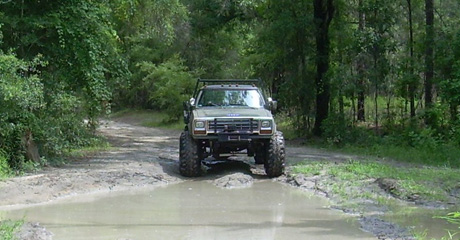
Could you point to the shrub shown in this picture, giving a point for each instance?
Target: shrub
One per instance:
(338, 132)
(5, 169)
(56, 123)
(170, 84)
(21, 99)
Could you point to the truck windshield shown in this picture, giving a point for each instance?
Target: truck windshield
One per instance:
(229, 97)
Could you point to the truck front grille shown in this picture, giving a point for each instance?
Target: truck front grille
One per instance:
(239, 125)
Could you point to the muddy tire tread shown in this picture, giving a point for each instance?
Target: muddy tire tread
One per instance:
(189, 161)
(275, 161)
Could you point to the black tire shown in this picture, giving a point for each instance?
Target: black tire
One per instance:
(189, 161)
(274, 164)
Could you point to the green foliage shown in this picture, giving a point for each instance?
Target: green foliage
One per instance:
(18, 88)
(282, 53)
(170, 84)
(21, 98)
(9, 228)
(54, 123)
(62, 58)
(5, 170)
(66, 128)
(77, 41)
(337, 132)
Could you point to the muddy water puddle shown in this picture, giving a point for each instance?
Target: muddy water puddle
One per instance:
(195, 210)
(423, 222)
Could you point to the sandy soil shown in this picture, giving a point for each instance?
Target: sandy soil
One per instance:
(146, 158)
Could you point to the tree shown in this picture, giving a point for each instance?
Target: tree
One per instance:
(280, 50)
(323, 14)
(412, 83)
(361, 117)
(70, 50)
(429, 57)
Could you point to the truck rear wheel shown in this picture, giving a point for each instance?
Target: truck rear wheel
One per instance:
(189, 161)
(274, 164)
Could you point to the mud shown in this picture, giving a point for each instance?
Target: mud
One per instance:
(236, 180)
(383, 229)
(145, 159)
(34, 231)
(141, 157)
(197, 210)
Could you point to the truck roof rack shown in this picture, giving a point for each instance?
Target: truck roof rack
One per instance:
(221, 81)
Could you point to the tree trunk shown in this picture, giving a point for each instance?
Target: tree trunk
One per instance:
(323, 14)
(412, 83)
(429, 57)
(361, 68)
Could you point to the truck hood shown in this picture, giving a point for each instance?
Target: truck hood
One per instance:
(232, 113)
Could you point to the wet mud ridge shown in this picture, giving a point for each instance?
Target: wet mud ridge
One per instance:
(147, 158)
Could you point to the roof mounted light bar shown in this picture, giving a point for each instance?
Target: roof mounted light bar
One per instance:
(229, 81)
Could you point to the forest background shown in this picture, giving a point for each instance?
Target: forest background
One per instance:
(379, 76)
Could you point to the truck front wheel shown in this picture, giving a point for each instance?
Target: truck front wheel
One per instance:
(189, 161)
(274, 163)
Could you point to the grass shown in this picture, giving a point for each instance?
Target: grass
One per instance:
(9, 228)
(442, 155)
(95, 147)
(148, 118)
(453, 218)
(350, 178)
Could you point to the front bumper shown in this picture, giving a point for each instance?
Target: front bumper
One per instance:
(233, 129)
(232, 137)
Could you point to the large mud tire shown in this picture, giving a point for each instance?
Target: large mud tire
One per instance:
(189, 161)
(275, 161)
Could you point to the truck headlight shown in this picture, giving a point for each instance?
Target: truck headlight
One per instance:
(266, 127)
(200, 128)
(199, 124)
(266, 124)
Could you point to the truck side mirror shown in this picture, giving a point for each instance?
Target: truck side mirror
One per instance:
(272, 105)
(188, 106)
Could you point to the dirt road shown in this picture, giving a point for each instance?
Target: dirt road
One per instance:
(140, 158)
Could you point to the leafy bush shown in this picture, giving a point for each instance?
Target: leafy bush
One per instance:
(5, 169)
(65, 125)
(21, 98)
(338, 132)
(55, 123)
(170, 84)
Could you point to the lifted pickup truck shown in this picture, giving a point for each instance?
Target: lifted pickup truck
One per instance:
(226, 118)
